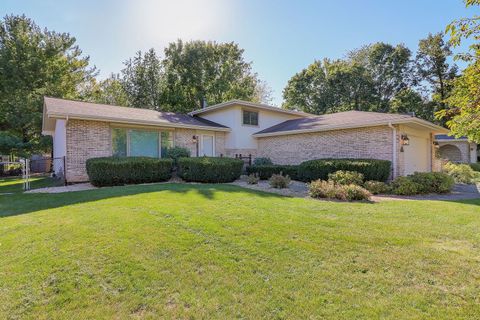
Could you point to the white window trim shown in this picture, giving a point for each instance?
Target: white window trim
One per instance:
(201, 153)
(159, 132)
(251, 125)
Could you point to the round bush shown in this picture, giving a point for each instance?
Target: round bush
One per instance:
(354, 192)
(432, 182)
(113, 171)
(279, 181)
(177, 152)
(346, 177)
(376, 187)
(405, 186)
(209, 169)
(372, 169)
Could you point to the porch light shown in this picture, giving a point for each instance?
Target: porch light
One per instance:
(405, 140)
(194, 139)
(436, 144)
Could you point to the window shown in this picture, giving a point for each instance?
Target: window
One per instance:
(140, 143)
(250, 118)
(119, 142)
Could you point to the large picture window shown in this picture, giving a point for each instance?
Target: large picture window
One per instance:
(140, 143)
(250, 118)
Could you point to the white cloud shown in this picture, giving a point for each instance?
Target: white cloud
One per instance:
(154, 23)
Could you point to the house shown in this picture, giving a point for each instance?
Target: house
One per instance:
(83, 130)
(456, 149)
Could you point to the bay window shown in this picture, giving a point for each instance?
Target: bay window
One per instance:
(140, 143)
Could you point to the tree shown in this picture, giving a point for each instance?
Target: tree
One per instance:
(329, 86)
(199, 71)
(108, 91)
(463, 112)
(408, 101)
(388, 66)
(141, 80)
(35, 63)
(432, 67)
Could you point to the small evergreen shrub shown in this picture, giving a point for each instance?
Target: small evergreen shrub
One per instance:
(475, 166)
(461, 173)
(177, 152)
(209, 169)
(372, 169)
(253, 178)
(279, 181)
(262, 162)
(405, 186)
(346, 177)
(330, 190)
(376, 187)
(114, 171)
(266, 171)
(433, 182)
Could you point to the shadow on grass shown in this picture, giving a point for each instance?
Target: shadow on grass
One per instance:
(22, 203)
(15, 184)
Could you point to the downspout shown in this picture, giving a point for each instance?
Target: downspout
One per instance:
(394, 153)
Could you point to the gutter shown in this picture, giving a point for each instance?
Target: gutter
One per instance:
(394, 153)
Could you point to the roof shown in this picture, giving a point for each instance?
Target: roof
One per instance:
(55, 108)
(250, 105)
(449, 138)
(344, 120)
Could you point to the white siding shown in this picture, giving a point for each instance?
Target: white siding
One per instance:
(59, 145)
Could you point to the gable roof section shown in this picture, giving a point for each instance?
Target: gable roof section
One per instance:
(343, 120)
(250, 105)
(55, 108)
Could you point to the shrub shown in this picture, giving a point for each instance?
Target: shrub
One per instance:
(262, 162)
(279, 181)
(253, 178)
(112, 171)
(432, 182)
(376, 187)
(346, 177)
(461, 173)
(266, 171)
(475, 166)
(330, 190)
(354, 192)
(378, 170)
(177, 152)
(209, 169)
(405, 186)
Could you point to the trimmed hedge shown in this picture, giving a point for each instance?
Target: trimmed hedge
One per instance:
(114, 171)
(209, 169)
(266, 171)
(372, 169)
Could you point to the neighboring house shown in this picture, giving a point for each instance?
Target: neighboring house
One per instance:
(456, 149)
(83, 130)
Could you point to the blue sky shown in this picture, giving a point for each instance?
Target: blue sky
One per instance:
(280, 37)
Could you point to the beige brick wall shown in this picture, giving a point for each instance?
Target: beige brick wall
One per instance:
(85, 139)
(456, 151)
(219, 143)
(372, 142)
(184, 139)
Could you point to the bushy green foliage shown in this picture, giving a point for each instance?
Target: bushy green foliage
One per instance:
(372, 169)
(266, 171)
(262, 161)
(405, 186)
(346, 177)
(376, 187)
(461, 173)
(475, 166)
(432, 182)
(279, 181)
(113, 171)
(253, 178)
(209, 169)
(177, 152)
(331, 190)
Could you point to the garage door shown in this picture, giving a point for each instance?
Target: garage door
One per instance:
(417, 155)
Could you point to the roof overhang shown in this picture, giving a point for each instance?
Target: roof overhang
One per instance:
(419, 122)
(250, 105)
(50, 117)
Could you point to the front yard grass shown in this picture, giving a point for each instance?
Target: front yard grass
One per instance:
(221, 251)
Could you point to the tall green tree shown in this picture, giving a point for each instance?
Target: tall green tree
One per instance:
(433, 67)
(35, 62)
(388, 66)
(199, 71)
(463, 104)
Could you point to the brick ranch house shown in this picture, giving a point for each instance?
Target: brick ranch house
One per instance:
(83, 130)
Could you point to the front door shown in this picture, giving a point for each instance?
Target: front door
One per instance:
(207, 146)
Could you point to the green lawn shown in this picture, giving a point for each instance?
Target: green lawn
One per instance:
(15, 184)
(219, 251)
